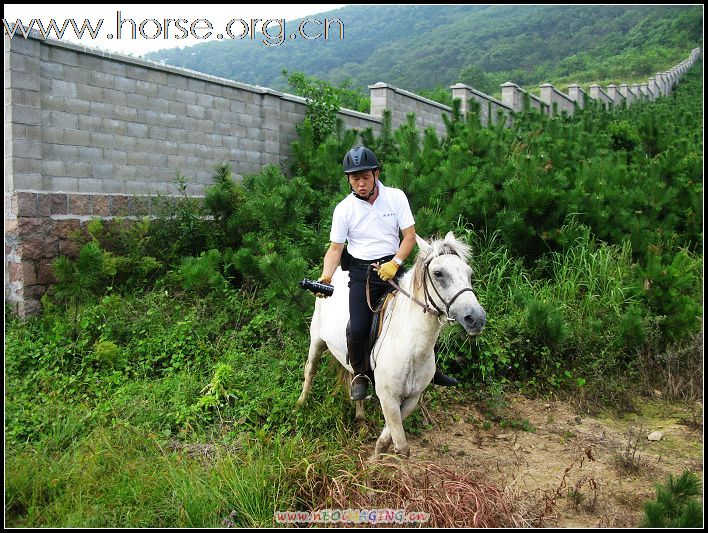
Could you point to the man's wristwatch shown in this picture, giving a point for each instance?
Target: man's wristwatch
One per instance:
(398, 261)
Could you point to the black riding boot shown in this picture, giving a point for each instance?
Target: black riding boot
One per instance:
(441, 379)
(356, 356)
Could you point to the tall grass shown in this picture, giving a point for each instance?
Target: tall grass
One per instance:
(573, 317)
(121, 476)
(135, 445)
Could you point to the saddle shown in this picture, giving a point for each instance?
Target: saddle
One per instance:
(375, 330)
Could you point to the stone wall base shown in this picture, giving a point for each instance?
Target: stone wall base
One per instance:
(41, 226)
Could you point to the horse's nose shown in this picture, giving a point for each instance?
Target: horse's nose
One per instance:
(476, 321)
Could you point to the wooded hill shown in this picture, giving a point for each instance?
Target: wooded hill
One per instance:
(423, 47)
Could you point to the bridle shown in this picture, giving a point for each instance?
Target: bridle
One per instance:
(434, 310)
(426, 276)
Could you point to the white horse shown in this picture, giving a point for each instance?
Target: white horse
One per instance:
(402, 358)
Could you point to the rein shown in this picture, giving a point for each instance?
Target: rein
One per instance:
(434, 310)
(425, 306)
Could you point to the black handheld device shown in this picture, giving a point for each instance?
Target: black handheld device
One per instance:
(317, 286)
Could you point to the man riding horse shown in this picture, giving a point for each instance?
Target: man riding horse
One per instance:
(369, 221)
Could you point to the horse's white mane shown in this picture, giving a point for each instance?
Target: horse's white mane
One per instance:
(450, 246)
(447, 246)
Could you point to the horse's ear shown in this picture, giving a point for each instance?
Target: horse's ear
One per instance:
(425, 248)
(450, 238)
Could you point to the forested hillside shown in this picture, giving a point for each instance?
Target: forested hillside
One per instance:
(422, 47)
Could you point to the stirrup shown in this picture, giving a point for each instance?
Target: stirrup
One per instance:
(351, 387)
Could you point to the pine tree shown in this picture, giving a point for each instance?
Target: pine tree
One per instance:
(78, 280)
(675, 504)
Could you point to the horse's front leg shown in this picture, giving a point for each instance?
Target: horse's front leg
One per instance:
(392, 412)
(384, 441)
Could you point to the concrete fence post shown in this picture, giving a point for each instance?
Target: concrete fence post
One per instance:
(659, 80)
(511, 96)
(381, 98)
(654, 88)
(464, 93)
(614, 95)
(576, 93)
(638, 95)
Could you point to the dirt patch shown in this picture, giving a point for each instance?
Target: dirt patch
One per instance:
(567, 469)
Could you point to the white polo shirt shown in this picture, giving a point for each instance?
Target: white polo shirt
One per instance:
(372, 230)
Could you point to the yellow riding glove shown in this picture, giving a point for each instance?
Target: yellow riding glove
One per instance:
(388, 270)
(328, 281)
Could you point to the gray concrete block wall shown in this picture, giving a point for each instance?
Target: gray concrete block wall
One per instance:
(23, 150)
(596, 93)
(293, 110)
(660, 85)
(86, 121)
(556, 100)
(355, 120)
(577, 95)
(401, 103)
(489, 107)
(113, 127)
(538, 104)
(513, 96)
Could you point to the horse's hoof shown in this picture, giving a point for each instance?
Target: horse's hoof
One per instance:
(405, 451)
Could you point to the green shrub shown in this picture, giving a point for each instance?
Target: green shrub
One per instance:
(676, 503)
(672, 289)
(203, 274)
(623, 135)
(108, 355)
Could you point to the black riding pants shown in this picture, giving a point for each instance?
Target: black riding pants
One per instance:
(359, 311)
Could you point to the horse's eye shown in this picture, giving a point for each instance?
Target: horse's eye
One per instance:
(438, 274)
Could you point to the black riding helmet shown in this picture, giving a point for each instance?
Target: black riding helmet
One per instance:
(359, 158)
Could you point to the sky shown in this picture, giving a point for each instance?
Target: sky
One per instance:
(157, 33)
